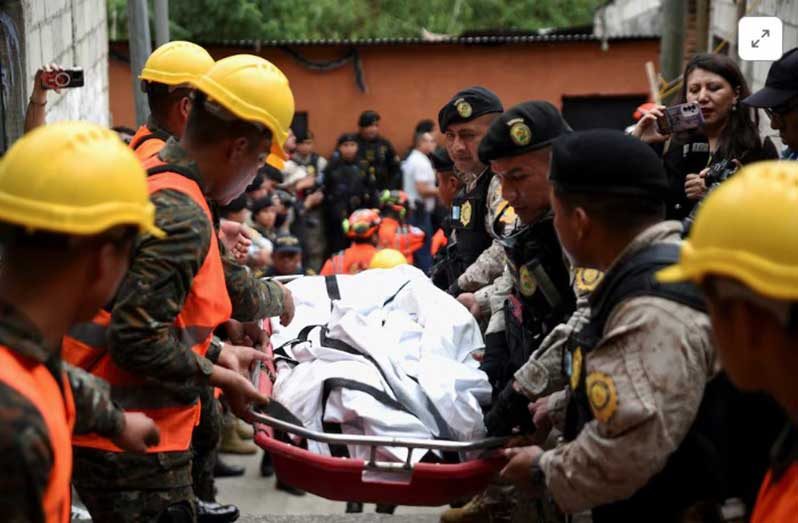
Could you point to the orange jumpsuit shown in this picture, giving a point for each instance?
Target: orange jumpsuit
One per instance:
(406, 239)
(350, 261)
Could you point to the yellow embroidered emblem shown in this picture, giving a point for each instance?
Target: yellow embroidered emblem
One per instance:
(465, 214)
(602, 395)
(507, 212)
(520, 134)
(587, 280)
(527, 282)
(463, 108)
(576, 368)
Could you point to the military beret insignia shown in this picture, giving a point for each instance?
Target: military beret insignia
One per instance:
(463, 108)
(520, 133)
(602, 395)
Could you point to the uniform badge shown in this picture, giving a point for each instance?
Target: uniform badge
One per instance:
(527, 282)
(507, 212)
(465, 214)
(311, 170)
(587, 280)
(463, 108)
(576, 368)
(602, 395)
(520, 133)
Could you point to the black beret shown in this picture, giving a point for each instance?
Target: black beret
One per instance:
(263, 203)
(522, 128)
(609, 162)
(346, 137)
(440, 160)
(368, 118)
(468, 104)
(271, 172)
(287, 243)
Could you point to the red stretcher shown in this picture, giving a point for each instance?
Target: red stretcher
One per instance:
(372, 481)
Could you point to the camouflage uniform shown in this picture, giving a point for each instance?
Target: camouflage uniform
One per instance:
(25, 452)
(378, 158)
(490, 263)
(141, 341)
(654, 359)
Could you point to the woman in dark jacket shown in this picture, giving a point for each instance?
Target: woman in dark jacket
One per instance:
(729, 136)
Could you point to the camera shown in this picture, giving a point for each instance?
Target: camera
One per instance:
(63, 79)
(682, 117)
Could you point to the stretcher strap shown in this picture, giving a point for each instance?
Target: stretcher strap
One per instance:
(333, 292)
(394, 295)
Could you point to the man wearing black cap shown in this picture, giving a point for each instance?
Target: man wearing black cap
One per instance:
(376, 154)
(637, 369)
(473, 259)
(779, 99)
(287, 256)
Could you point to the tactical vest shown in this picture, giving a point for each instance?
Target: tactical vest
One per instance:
(56, 406)
(694, 472)
(468, 219)
(206, 306)
(542, 296)
(146, 143)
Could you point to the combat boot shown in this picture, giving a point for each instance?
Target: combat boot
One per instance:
(483, 508)
(232, 442)
(245, 431)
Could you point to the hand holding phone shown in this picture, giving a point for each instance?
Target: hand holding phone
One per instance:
(54, 77)
(680, 118)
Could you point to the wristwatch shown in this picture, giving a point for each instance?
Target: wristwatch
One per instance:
(214, 349)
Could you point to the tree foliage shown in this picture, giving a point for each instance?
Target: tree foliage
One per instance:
(209, 20)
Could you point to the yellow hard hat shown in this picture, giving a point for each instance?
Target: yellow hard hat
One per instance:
(176, 63)
(255, 90)
(745, 230)
(74, 178)
(387, 258)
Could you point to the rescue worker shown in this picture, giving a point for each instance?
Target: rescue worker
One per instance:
(347, 188)
(361, 228)
(161, 356)
(394, 233)
(67, 226)
(376, 155)
(387, 259)
(473, 260)
(166, 80)
(638, 368)
(741, 251)
(534, 293)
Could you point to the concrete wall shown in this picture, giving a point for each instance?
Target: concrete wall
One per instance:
(407, 83)
(69, 33)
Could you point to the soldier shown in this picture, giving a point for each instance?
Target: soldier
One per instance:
(160, 350)
(534, 294)
(473, 259)
(165, 78)
(67, 228)
(638, 367)
(742, 252)
(376, 154)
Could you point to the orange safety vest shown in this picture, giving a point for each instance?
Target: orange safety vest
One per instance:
(34, 381)
(147, 143)
(778, 502)
(404, 238)
(439, 241)
(350, 261)
(205, 308)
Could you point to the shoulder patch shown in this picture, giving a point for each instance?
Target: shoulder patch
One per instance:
(602, 395)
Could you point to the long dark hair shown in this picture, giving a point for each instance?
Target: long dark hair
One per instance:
(740, 135)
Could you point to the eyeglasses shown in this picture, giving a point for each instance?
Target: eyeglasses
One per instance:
(781, 110)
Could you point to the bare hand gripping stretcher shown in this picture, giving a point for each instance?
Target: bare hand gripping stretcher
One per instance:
(370, 478)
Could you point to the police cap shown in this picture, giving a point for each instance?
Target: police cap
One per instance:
(525, 127)
(609, 162)
(467, 105)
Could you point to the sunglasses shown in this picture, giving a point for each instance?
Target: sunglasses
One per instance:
(781, 110)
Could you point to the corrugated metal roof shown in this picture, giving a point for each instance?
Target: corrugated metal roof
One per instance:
(458, 40)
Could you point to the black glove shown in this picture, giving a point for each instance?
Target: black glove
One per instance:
(454, 289)
(509, 410)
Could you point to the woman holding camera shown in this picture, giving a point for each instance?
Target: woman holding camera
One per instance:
(700, 155)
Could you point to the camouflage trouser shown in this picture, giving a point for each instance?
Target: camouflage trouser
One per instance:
(205, 445)
(119, 487)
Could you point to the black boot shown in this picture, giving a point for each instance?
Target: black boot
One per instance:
(385, 509)
(285, 487)
(266, 469)
(226, 470)
(209, 512)
(354, 507)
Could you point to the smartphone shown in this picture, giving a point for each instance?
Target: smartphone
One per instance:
(63, 79)
(682, 117)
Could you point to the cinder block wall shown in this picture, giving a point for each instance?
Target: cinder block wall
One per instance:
(69, 33)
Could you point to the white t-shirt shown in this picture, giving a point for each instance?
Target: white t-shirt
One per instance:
(418, 168)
